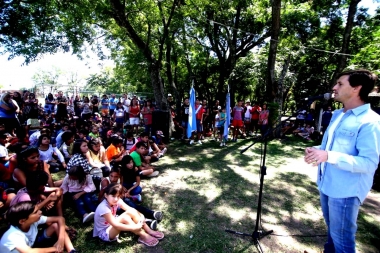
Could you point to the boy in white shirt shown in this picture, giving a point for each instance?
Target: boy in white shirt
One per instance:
(23, 235)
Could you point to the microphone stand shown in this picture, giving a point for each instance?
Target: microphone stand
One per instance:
(257, 234)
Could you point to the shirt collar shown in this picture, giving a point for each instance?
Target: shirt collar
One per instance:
(358, 110)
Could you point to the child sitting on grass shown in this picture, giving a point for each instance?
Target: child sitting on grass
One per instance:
(23, 235)
(108, 227)
(80, 187)
(114, 177)
(130, 178)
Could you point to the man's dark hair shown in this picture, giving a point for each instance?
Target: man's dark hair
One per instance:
(362, 77)
(19, 212)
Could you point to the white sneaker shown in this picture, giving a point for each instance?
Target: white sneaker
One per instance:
(89, 217)
(164, 151)
(154, 174)
(221, 144)
(199, 142)
(191, 142)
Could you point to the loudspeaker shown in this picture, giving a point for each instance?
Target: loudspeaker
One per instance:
(161, 121)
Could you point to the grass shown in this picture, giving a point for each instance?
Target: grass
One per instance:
(206, 189)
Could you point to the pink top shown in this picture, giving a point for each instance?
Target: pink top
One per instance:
(263, 117)
(69, 185)
(147, 114)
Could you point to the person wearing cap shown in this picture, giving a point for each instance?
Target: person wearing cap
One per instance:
(171, 103)
(247, 116)
(159, 141)
(126, 103)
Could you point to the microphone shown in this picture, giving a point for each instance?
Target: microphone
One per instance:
(325, 96)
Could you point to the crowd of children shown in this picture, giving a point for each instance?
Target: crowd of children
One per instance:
(105, 158)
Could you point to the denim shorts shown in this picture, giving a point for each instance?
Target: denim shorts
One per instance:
(42, 240)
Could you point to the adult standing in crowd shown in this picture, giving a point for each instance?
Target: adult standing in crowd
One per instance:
(49, 104)
(61, 107)
(126, 103)
(147, 112)
(20, 102)
(134, 115)
(264, 119)
(326, 117)
(95, 104)
(247, 116)
(255, 112)
(185, 116)
(347, 158)
(8, 111)
(77, 106)
(112, 103)
(105, 105)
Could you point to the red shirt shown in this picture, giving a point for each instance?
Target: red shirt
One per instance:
(134, 110)
(199, 113)
(255, 111)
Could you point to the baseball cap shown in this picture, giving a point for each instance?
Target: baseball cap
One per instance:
(160, 133)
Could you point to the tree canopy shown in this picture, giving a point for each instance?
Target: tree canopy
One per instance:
(264, 50)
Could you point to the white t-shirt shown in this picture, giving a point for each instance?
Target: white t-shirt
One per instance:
(100, 222)
(3, 151)
(247, 113)
(126, 104)
(119, 113)
(15, 237)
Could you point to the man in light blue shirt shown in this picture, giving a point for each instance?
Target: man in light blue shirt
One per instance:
(113, 103)
(347, 158)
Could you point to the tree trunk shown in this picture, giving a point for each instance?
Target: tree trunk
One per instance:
(346, 40)
(271, 89)
(118, 13)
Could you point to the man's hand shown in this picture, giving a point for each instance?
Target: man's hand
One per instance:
(315, 156)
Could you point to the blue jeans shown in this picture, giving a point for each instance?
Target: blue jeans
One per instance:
(340, 216)
(145, 211)
(84, 204)
(135, 191)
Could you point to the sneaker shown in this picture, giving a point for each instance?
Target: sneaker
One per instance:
(158, 215)
(153, 225)
(154, 174)
(221, 144)
(88, 217)
(191, 142)
(159, 155)
(199, 142)
(164, 151)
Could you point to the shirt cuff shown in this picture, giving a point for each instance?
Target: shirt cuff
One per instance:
(332, 157)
